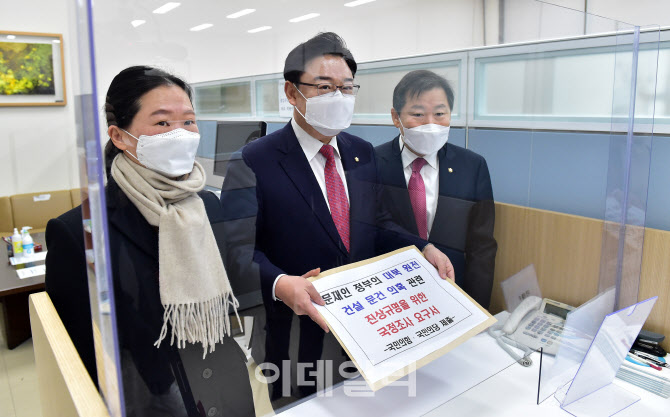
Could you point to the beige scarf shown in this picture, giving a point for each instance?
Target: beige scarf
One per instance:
(194, 287)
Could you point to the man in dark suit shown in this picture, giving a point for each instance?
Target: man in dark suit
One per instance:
(439, 191)
(315, 201)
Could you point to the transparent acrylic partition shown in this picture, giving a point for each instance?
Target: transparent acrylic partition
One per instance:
(633, 111)
(555, 102)
(579, 331)
(592, 392)
(94, 214)
(542, 92)
(635, 52)
(606, 72)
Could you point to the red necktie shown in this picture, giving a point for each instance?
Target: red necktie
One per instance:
(417, 196)
(337, 197)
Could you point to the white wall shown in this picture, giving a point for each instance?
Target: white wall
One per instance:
(379, 30)
(639, 12)
(38, 143)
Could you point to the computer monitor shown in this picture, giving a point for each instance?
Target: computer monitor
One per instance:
(231, 136)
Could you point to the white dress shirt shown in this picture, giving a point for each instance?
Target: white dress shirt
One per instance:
(311, 146)
(431, 178)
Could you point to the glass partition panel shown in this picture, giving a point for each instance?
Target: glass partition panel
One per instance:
(267, 97)
(571, 85)
(662, 106)
(232, 99)
(372, 102)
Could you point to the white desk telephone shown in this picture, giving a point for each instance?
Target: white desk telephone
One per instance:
(535, 323)
(538, 323)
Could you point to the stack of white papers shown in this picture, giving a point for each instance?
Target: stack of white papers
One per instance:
(647, 378)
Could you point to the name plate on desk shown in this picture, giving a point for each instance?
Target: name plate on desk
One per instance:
(394, 314)
(34, 271)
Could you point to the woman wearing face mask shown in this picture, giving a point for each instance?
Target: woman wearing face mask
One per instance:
(172, 294)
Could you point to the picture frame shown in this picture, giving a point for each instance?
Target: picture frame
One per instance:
(32, 69)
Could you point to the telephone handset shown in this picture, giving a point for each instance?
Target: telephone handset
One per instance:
(538, 323)
(527, 305)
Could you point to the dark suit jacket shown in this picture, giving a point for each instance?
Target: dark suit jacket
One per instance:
(146, 370)
(463, 224)
(294, 231)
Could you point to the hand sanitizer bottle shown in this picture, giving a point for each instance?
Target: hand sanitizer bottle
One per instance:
(17, 245)
(28, 244)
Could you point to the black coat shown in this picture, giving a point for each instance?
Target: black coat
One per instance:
(463, 224)
(148, 373)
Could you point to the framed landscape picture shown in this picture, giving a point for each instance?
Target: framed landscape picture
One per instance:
(32, 71)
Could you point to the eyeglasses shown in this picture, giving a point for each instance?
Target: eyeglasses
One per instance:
(325, 88)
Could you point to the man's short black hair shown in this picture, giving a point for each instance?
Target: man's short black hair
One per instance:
(414, 83)
(325, 43)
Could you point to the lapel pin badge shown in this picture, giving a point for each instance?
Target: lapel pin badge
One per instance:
(356, 158)
(451, 170)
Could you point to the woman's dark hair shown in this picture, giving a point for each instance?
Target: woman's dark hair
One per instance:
(414, 83)
(123, 99)
(327, 43)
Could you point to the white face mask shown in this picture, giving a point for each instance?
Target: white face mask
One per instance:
(425, 139)
(171, 153)
(330, 113)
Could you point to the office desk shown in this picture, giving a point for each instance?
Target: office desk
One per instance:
(14, 294)
(476, 379)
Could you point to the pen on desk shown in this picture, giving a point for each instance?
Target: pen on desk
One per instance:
(631, 360)
(655, 359)
(644, 361)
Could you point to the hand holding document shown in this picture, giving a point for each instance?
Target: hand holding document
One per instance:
(394, 314)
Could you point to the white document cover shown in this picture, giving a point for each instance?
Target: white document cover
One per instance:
(394, 314)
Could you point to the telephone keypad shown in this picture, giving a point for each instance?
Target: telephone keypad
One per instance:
(543, 329)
